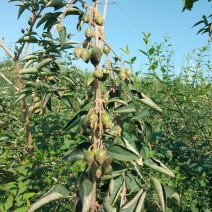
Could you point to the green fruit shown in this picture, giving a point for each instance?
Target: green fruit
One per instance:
(99, 20)
(77, 52)
(106, 49)
(96, 54)
(107, 169)
(99, 172)
(101, 155)
(106, 121)
(86, 17)
(122, 75)
(98, 74)
(85, 55)
(128, 72)
(89, 33)
(92, 118)
(89, 157)
(37, 105)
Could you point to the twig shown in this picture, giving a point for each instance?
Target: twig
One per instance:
(8, 81)
(7, 50)
(61, 17)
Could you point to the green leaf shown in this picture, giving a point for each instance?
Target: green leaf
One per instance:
(21, 10)
(147, 132)
(160, 192)
(108, 207)
(125, 109)
(131, 205)
(62, 36)
(142, 114)
(143, 52)
(145, 100)
(171, 193)
(151, 50)
(31, 70)
(119, 152)
(74, 11)
(43, 63)
(116, 99)
(46, 17)
(52, 21)
(75, 155)
(66, 100)
(57, 192)
(9, 203)
(140, 205)
(47, 98)
(28, 39)
(158, 166)
(74, 121)
(115, 190)
(28, 57)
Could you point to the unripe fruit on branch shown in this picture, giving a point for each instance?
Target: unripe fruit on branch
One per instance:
(128, 72)
(89, 33)
(98, 74)
(107, 169)
(101, 155)
(86, 17)
(89, 157)
(106, 121)
(96, 54)
(77, 52)
(60, 27)
(99, 20)
(85, 55)
(122, 75)
(92, 117)
(106, 49)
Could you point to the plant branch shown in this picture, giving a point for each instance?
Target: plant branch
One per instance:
(8, 81)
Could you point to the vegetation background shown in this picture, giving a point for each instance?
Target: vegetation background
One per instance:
(37, 158)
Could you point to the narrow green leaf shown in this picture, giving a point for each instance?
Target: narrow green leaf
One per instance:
(46, 17)
(47, 98)
(108, 207)
(52, 21)
(119, 152)
(116, 99)
(74, 121)
(28, 57)
(66, 100)
(158, 166)
(74, 11)
(131, 205)
(142, 114)
(125, 109)
(147, 132)
(28, 39)
(140, 205)
(32, 70)
(75, 155)
(62, 36)
(160, 192)
(43, 63)
(57, 192)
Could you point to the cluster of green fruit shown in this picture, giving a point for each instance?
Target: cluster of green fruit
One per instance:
(99, 161)
(37, 105)
(105, 118)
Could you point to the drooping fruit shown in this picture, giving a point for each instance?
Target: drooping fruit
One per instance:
(96, 54)
(128, 72)
(89, 33)
(99, 20)
(101, 155)
(107, 169)
(106, 49)
(99, 172)
(98, 74)
(92, 117)
(122, 75)
(89, 157)
(77, 52)
(86, 17)
(85, 55)
(106, 121)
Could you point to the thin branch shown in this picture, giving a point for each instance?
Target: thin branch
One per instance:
(61, 17)
(7, 50)
(8, 81)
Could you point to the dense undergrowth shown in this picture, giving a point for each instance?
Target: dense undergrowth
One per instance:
(181, 139)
